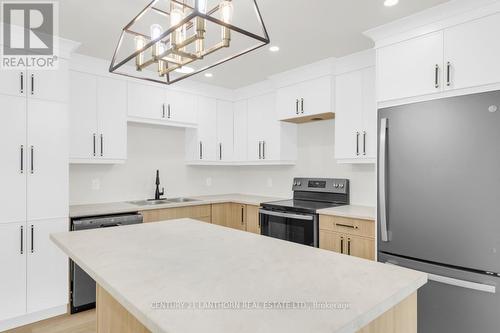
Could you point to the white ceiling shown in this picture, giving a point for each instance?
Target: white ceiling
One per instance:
(305, 30)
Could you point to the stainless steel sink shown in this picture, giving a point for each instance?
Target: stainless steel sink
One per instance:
(150, 202)
(177, 200)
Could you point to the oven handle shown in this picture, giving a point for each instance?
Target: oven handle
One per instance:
(287, 215)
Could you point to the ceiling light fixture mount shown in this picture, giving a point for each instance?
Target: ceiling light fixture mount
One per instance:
(186, 32)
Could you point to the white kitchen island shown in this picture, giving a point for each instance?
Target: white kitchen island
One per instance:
(186, 276)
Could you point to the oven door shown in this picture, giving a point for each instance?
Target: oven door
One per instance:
(297, 228)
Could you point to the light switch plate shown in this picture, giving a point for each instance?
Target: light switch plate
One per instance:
(208, 181)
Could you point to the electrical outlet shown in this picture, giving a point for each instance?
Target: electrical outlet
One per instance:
(269, 182)
(208, 181)
(96, 184)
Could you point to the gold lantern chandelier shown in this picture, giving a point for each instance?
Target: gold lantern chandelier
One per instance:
(168, 37)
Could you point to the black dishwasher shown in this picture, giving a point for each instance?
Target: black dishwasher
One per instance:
(82, 286)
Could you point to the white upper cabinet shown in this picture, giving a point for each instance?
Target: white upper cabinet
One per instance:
(146, 101)
(154, 104)
(112, 119)
(240, 130)
(181, 107)
(47, 157)
(98, 119)
(460, 55)
(305, 99)
(14, 166)
(225, 126)
(83, 116)
(201, 143)
(13, 82)
(410, 68)
(51, 85)
(355, 117)
(268, 138)
(472, 53)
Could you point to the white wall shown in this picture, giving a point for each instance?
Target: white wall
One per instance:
(151, 148)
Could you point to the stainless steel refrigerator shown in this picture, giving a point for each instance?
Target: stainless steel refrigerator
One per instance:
(439, 207)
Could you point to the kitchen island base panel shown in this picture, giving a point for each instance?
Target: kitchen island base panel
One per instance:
(401, 318)
(113, 317)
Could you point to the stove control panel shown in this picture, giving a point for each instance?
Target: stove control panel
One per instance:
(329, 185)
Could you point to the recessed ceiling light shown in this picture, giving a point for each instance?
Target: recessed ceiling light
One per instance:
(185, 70)
(390, 3)
(274, 48)
(209, 75)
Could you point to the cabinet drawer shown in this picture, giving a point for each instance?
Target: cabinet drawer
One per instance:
(202, 213)
(347, 225)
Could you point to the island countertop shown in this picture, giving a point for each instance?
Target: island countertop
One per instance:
(185, 260)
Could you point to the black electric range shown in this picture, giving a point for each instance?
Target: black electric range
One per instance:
(297, 220)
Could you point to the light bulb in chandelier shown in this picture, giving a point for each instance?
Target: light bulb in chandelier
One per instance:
(155, 30)
(226, 10)
(226, 13)
(202, 6)
(139, 44)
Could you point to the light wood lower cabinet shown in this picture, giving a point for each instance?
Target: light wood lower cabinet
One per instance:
(230, 215)
(202, 213)
(253, 224)
(347, 236)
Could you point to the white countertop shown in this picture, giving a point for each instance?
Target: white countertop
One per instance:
(351, 211)
(189, 261)
(126, 207)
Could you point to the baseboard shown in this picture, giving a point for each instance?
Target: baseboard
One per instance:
(33, 317)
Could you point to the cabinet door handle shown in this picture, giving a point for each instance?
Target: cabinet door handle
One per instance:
(302, 105)
(436, 76)
(242, 215)
(22, 158)
(168, 111)
(32, 239)
(22, 83)
(32, 84)
(357, 143)
(342, 245)
(364, 142)
(348, 246)
(94, 143)
(22, 240)
(347, 226)
(448, 73)
(32, 161)
(263, 150)
(102, 145)
(260, 150)
(163, 110)
(220, 151)
(297, 106)
(201, 150)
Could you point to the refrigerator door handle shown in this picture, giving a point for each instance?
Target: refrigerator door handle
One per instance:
(382, 180)
(463, 283)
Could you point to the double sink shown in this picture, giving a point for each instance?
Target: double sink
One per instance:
(162, 201)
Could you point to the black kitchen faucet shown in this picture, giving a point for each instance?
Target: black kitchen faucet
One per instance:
(158, 194)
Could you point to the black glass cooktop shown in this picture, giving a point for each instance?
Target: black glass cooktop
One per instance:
(304, 206)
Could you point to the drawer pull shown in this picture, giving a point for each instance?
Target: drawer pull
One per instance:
(347, 226)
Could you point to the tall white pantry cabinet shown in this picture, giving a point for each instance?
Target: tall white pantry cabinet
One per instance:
(34, 150)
